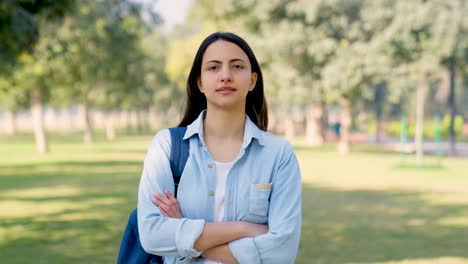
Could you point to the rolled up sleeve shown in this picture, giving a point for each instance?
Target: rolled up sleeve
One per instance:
(160, 235)
(244, 250)
(281, 243)
(186, 235)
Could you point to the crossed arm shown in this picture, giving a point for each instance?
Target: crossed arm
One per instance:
(213, 241)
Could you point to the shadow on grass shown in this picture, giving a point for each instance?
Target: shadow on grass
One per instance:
(414, 166)
(378, 226)
(70, 164)
(46, 174)
(338, 226)
(77, 212)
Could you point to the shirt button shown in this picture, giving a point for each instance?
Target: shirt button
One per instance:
(210, 165)
(200, 145)
(211, 193)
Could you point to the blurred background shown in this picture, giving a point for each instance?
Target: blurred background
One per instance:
(373, 94)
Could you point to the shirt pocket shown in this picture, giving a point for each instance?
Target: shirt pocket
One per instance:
(259, 198)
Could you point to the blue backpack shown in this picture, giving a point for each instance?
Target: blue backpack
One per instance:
(131, 251)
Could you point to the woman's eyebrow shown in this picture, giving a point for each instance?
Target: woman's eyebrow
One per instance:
(231, 61)
(237, 59)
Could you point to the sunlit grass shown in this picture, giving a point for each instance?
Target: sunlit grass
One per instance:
(365, 209)
(71, 205)
(443, 260)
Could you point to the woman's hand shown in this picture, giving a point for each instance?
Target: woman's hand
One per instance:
(167, 204)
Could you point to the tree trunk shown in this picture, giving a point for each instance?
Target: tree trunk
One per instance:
(344, 145)
(314, 124)
(68, 124)
(88, 129)
(127, 117)
(378, 100)
(10, 122)
(420, 100)
(277, 125)
(289, 130)
(452, 106)
(287, 124)
(271, 120)
(153, 119)
(133, 121)
(144, 119)
(38, 121)
(138, 125)
(110, 127)
(378, 129)
(173, 116)
(324, 121)
(136, 116)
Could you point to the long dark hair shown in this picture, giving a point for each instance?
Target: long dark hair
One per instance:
(255, 106)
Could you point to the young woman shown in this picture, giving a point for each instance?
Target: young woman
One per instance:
(239, 198)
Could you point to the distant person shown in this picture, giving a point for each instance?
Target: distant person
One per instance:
(239, 197)
(337, 128)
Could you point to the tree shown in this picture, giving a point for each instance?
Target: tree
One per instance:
(298, 39)
(418, 42)
(456, 43)
(267, 27)
(11, 99)
(103, 58)
(22, 24)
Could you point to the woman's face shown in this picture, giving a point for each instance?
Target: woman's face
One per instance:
(226, 76)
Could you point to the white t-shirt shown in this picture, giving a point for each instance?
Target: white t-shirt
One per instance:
(222, 171)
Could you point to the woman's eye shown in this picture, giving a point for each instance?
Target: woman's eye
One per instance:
(212, 68)
(238, 66)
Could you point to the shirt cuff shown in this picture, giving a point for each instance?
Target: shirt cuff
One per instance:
(186, 235)
(245, 251)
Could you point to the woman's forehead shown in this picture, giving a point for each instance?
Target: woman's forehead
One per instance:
(221, 50)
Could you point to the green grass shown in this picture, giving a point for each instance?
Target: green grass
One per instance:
(71, 205)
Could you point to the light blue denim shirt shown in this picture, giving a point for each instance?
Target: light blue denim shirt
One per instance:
(263, 186)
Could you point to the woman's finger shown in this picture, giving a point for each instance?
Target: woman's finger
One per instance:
(164, 207)
(172, 199)
(169, 195)
(167, 205)
(161, 199)
(155, 201)
(163, 212)
(158, 196)
(169, 210)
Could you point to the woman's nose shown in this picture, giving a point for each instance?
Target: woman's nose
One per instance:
(226, 75)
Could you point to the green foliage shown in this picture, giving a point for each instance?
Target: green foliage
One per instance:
(24, 54)
(343, 48)
(105, 61)
(309, 50)
(93, 57)
(394, 128)
(18, 25)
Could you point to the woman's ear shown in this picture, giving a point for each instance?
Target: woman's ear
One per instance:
(253, 81)
(199, 84)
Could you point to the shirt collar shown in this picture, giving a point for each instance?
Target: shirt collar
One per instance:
(251, 130)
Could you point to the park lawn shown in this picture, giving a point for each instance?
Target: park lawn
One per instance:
(71, 205)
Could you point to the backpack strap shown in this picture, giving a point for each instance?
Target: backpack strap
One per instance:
(179, 154)
(131, 250)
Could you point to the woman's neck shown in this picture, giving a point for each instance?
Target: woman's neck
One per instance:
(224, 124)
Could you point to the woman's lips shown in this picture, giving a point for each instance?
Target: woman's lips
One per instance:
(225, 90)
